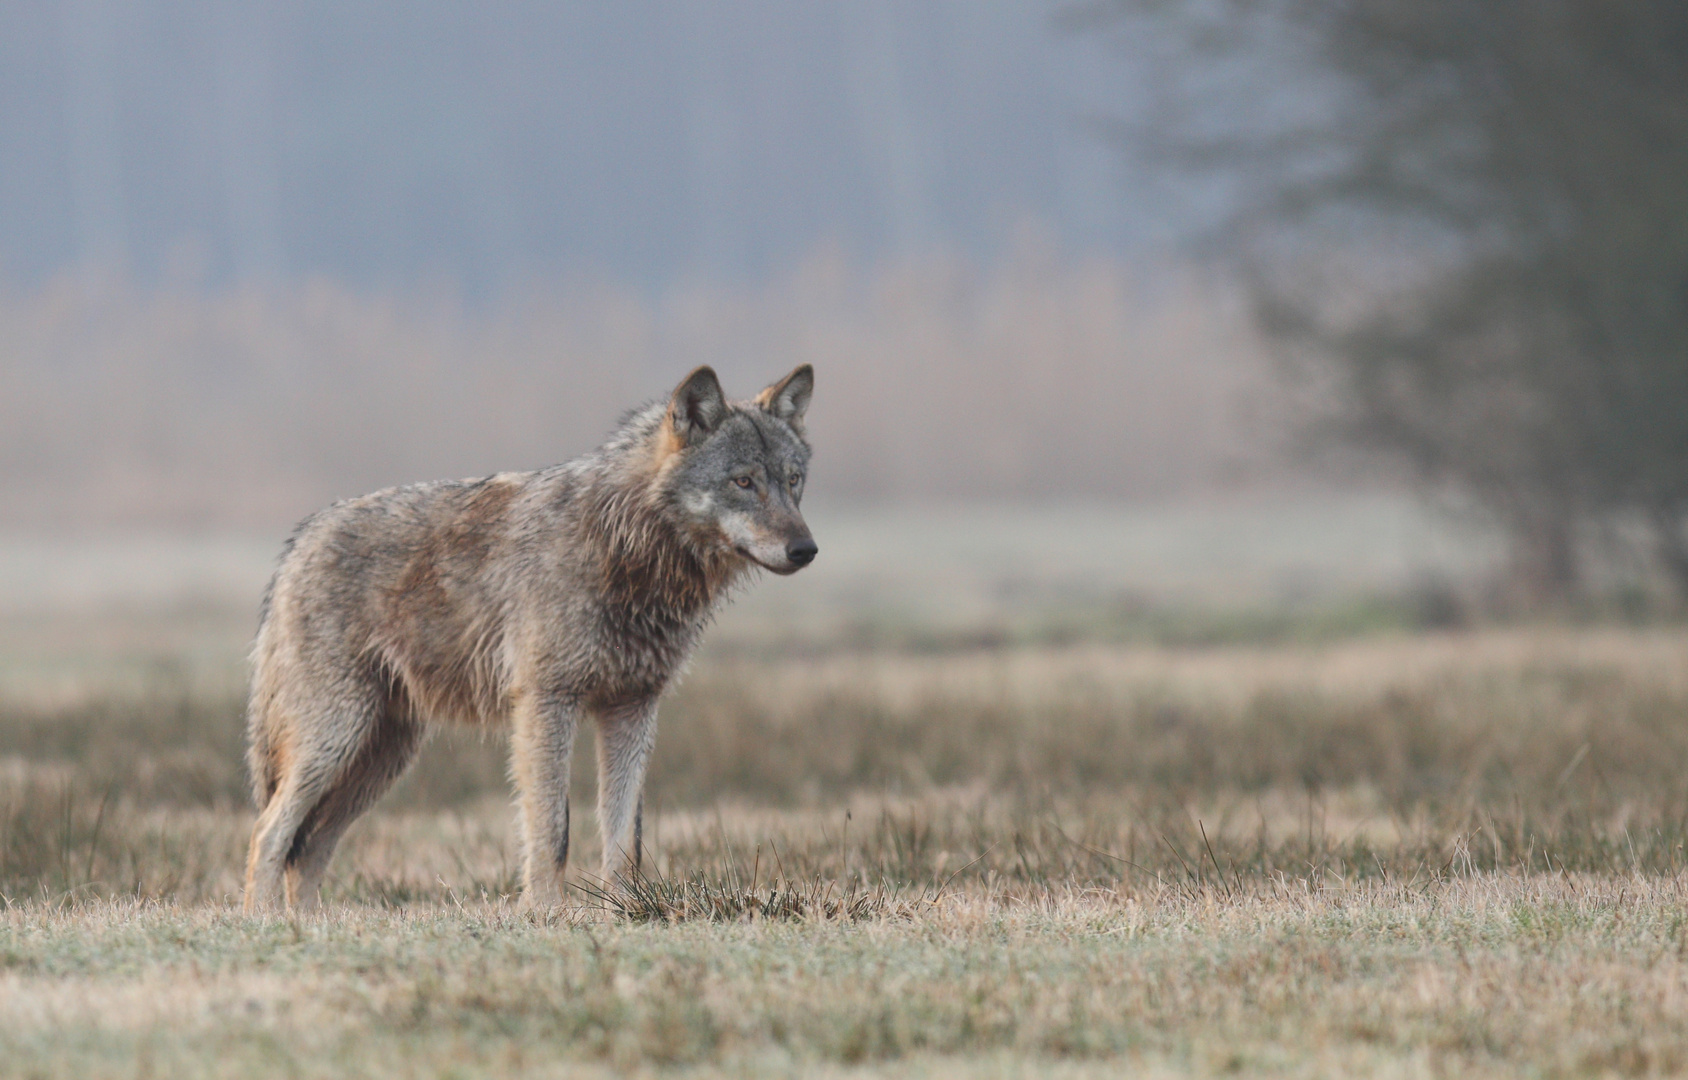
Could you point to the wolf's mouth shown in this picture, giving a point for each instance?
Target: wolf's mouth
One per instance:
(789, 568)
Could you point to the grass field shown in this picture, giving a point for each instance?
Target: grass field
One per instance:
(1349, 848)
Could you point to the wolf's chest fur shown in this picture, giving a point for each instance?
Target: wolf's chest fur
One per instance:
(643, 634)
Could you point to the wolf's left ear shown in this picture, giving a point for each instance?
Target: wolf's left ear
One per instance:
(698, 406)
(788, 399)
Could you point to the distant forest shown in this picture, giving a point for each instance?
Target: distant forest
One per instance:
(384, 143)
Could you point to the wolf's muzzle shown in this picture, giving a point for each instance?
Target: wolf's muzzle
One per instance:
(802, 552)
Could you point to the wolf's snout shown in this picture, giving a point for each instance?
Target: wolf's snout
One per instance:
(802, 552)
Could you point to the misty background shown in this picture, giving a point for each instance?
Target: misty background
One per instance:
(1291, 298)
(258, 256)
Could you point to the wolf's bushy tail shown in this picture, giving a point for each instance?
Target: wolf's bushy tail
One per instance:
(261, 764)
(260, 761)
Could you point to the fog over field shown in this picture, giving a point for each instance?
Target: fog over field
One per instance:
(1037, 377)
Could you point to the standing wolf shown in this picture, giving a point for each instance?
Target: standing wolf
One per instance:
(537, 598)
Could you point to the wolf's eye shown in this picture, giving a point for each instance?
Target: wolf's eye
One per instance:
(744, 482)
(796, 478)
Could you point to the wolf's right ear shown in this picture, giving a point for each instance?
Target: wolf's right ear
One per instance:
(697, 407)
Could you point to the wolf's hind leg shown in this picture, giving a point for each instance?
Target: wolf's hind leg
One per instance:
(541, 745)
(321, 739)
(625, 738)
(383, 758)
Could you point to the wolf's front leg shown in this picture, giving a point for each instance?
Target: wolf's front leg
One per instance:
(541, 740)
(625, 737)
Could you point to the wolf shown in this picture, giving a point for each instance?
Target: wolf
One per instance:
(536, 600)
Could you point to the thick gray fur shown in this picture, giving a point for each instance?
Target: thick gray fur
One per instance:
(534, 599)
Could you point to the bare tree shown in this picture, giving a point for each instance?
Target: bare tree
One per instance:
(1470, 215)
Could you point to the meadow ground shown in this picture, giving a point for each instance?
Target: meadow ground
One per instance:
(1391, 855)
(1344, 845)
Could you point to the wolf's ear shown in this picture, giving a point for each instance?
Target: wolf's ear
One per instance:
(698, 406)
(788, 399)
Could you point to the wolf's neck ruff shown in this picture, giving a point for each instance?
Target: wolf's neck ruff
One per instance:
(650, 562)
(657, 589)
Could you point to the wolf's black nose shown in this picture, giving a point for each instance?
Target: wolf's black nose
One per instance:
(802, 552)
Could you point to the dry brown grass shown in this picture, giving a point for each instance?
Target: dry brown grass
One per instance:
(1547, 736)
(1389, 856)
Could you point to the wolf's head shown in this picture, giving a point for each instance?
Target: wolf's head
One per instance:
(736, 469)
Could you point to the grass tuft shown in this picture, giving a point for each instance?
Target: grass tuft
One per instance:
(718, 897)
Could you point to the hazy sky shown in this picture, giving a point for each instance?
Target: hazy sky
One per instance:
(651, 140)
